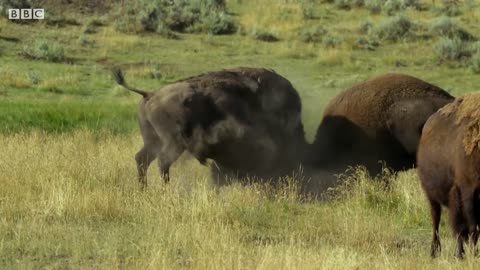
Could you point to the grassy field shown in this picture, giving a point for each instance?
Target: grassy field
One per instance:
(68, 134)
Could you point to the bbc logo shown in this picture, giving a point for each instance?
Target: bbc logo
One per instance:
(26, 14)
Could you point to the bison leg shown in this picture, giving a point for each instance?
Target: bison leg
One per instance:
(436, 211)
(469, 212)
(457, 220)
(144, 157)
(166, 158)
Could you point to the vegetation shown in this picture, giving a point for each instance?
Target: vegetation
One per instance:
(394, 29)
(68, 134)
(78, 205)
(182, 16)
(44, 50)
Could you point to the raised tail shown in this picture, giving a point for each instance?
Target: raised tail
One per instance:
(118, 76)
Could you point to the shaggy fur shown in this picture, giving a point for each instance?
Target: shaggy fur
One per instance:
(450, 172)
(467, 107)
(377, 120)
(246, 120)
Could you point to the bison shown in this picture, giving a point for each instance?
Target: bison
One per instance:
(246, 120)
(377, 120)
(449, 168)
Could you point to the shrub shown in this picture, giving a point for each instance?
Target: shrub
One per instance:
(475, 63)
(348, 4)
(44, 50)
(166, 32)
(264, 35)
(60, 21)
(307, 9)
(89, 29)
(390, 7)
(444, 26)
(33, 77)
(84, 41)
(313, 34)
(365, 27)
(451, 49)
(180, 16)
(7, 4)
(395, 28)
(330, 41)
(219, 24)
(365, 43)
(92, 25)
(475, 47)
(451, 7)
(375, 6)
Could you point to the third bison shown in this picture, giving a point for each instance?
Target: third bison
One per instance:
(449, 168)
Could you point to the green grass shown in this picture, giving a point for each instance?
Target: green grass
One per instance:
(69, 196)
(59, 117)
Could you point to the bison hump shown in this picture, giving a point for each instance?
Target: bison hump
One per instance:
(466, 112)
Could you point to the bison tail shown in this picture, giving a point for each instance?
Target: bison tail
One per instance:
(118, 76)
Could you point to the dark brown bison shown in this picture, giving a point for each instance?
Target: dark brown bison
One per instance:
(449, 168)
(246, 120)
(378, 120)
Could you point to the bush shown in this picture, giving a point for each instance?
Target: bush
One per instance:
(394, 29)
(390, 7)
(7, 4)
(264, 35)
(313, 35)
(451, 7)
(365, 27)
(375, 6)
(444, 26)
(84, 41)
(92, 25)
(475, 63)
(365, 43)
(330, 41)
(60, 21)
(166, 32)
(307, 9)
(451, 49)
(219, 24)
(348, 4)
(44, 50)
(180, 16)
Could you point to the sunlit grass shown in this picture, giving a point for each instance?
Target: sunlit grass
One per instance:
(72, 200)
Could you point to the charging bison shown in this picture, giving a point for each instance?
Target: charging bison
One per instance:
(378, 120)
(449, 168)
(246, 120)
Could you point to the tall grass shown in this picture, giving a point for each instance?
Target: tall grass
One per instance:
(72, 201)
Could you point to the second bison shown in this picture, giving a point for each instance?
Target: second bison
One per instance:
(378, 120)
(449, 168)
(247, 120)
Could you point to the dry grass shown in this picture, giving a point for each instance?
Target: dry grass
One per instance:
(72, 201)
(11, 76)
